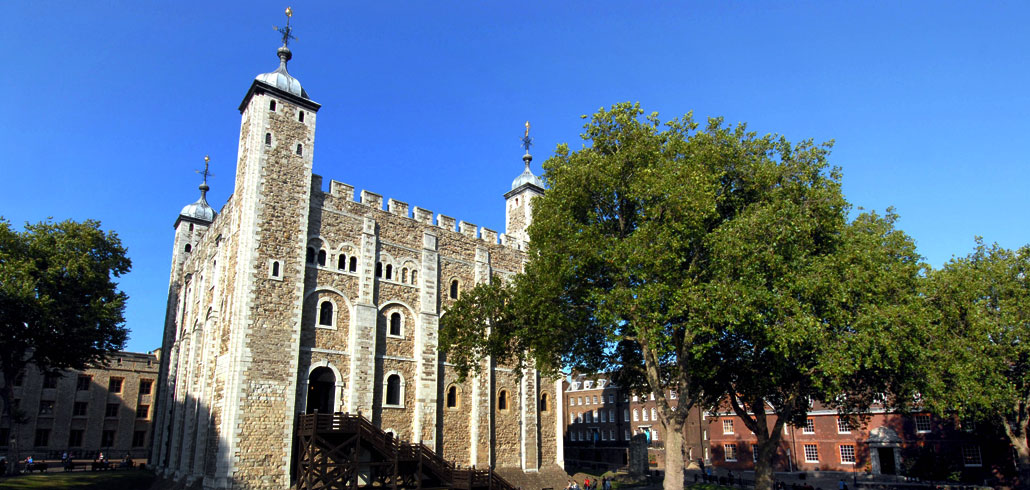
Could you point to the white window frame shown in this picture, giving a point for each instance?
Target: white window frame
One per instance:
(625, 414)
(386, 384)
(754, 453)
(809, 427)
(727, 426)
(844, 450)
(923, 420)
(729, 452)
(815, 450)
(390, 313)
(636, 415)
(318, 314)
(971, 456)
(843, 427)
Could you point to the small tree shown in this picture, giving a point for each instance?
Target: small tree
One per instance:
(714, 263)
(980, 368)
(59, 304)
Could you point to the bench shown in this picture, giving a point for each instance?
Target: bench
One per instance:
(40, 467)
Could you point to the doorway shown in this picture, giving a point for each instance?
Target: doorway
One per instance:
(886, 455)
(321, 391)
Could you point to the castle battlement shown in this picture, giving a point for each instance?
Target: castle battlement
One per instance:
(421, 215)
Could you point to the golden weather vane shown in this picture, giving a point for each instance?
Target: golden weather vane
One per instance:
(526, 140)
(286, 31)
(205, 172)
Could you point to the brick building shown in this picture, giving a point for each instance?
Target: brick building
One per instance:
(881, 442)
(105, 408)
(601, 418)
(294, 298)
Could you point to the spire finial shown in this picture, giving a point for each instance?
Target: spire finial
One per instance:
(526, 143)
(203, 186)
(287, 33)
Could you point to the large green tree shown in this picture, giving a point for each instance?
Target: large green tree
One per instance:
(710, 261)
(60, 307)
(980, 369)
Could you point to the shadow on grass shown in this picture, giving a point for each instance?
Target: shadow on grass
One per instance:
(84, 480)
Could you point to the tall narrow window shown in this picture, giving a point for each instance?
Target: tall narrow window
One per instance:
(310, 257)
(325, 314)
(300, 149)
(414, 277)
(353, 264)
(404, 275)
(502, 400)
(395, 324)
(321, 257)
(268, 138)
(389, 271)
(341, 263)
(275, 268)
(452, 397)
(393, 390)
(454, 289)
(543, 402)
(301, 116)
(271, 105)
(379, 269)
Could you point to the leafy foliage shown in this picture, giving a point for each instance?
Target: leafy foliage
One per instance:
(59, 304)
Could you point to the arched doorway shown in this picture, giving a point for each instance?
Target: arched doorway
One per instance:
(321, 390)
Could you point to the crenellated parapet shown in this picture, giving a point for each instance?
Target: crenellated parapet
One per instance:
(402, 209)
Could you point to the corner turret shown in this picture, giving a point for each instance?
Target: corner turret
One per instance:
(518, 211)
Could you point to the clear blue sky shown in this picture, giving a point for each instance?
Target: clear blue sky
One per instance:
(109, 107)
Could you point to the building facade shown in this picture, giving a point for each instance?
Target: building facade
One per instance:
(878, 443)
(104, 409)
(602, 418)
(294, 299)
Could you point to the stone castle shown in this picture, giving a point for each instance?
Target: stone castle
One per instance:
(292, 300)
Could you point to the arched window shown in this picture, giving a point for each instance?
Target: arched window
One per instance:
(404, 275)
(325, 314)
(379, 269)
(301, 116)
(454, 289)
(452, 397)
(393, 390)
(353, 264)
(310, 257)
(389, 271)
(321, 257)
(543, 402)
(188, 248)
(341, 262)
(654, 415)
(191, 226)
(275, 268)
(395, 324)
(636, 415)
(502, 400)
(414, 277)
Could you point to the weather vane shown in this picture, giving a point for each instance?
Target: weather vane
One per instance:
(205, 172)
(287, 31)
(526, 140)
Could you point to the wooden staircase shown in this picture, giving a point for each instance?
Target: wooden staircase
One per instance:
(345, 451)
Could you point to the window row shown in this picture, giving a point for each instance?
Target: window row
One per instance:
(402, 276)
(970, 453)
(272, 104)
(85, 381)
(76, 436)
(587, 401)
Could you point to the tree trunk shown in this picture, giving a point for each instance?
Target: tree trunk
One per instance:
(673, 455)
(1019, 441)
(7, 420)
(764, 464)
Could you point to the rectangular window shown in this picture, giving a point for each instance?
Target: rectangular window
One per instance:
(730, 451)
(971, 456)
(107, 438)
(672, 394)
(627, 435)
(75, 438)
(645, 414)
(115, 385)
(843, 427)
(625, 414)
(139, 438)
(636, 415)
(79, 409)
(580, 401)
(754, 452)
(42, 438)
(46, 407)
(572, 435)
(50, 380)
(654, 434)
(811, 453)
(922, 423)
(143, 411)
(595, 399)
(611, 415)
(112, 410)
(611, 398)
(727, 426)
(809, 427)
(604, 436)
(636, 398)
(847, 454)
(145, 385)
(83, 383)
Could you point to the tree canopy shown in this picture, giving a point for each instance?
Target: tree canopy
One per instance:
(980, 364)
(709, 261)
(60, 307)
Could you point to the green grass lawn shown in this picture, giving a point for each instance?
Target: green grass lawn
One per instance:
(81, 480)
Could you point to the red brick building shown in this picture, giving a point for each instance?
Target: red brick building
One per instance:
(917, 444)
